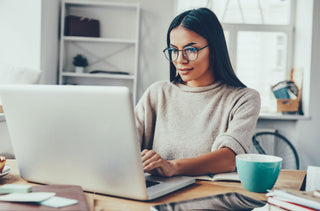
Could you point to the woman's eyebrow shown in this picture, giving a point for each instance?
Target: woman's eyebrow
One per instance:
(192, 43)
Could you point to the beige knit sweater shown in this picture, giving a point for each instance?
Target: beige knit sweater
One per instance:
(178, 121)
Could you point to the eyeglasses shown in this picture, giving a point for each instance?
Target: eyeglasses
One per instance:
(190, 53)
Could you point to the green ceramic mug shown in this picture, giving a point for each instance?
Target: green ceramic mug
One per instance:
(257, 172)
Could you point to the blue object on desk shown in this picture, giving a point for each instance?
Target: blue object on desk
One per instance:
(58, 202)
(15, 188)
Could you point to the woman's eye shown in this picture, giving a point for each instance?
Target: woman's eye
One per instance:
(193, 49)
(173, 50)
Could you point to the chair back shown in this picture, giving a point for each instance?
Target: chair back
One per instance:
(273, 143)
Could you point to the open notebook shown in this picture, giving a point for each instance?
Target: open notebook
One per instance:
(229, 176)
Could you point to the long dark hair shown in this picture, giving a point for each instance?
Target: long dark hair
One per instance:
(205, 23)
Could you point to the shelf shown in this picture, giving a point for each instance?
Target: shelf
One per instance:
(98, 75)
(280, 116)
(116, 47)
(100, 3)
(99, 39)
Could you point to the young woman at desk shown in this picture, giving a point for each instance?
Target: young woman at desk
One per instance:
(197, 122)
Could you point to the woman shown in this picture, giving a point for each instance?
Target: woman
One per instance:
(199, 121)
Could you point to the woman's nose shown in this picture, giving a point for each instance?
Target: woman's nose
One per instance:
(181, 58)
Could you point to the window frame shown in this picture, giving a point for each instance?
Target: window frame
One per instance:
(289, 29)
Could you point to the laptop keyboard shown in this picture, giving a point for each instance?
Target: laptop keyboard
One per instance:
(150, 183)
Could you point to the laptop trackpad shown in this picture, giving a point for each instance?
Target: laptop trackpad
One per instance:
(163, 185)
(152, 180)
(150, 183)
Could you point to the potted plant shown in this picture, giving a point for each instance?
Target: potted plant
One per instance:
(79, 62)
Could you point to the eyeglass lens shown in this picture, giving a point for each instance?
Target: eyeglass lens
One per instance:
(189, 53)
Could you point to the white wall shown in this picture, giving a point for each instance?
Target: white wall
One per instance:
(302, 46)
(308, 131)
(155, 19)
(29, 35)
(50, 17)
(20, 23)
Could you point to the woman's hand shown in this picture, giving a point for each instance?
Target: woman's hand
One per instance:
(153, 163)
(221, 160)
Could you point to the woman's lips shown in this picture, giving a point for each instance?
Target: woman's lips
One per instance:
(184, 71)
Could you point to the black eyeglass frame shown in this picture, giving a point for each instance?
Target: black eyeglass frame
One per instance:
(183, 52)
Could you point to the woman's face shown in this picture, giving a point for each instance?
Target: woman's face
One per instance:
(194, 73)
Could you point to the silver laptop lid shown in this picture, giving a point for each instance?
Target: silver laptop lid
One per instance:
(81, 135)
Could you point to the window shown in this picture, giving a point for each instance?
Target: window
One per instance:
(259, 35)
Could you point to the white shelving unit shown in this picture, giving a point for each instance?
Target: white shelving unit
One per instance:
(115, 50)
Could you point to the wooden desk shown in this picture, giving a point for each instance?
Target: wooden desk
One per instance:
(288, 179)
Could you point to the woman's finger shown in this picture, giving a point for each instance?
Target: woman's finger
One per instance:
(143, 152)
(157, 163)
(155, 157)
(147, 155)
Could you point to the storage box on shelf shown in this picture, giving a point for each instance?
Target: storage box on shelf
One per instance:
(112, 54)
(293, 86)
(81, 26)
(288, 105)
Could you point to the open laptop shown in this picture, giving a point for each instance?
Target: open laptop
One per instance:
(80, 135)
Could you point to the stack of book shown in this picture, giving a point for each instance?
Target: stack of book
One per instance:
(285, 90)
(294, 200)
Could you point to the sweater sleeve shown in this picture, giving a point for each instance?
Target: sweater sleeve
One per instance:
(145, 120)
(241, 123)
